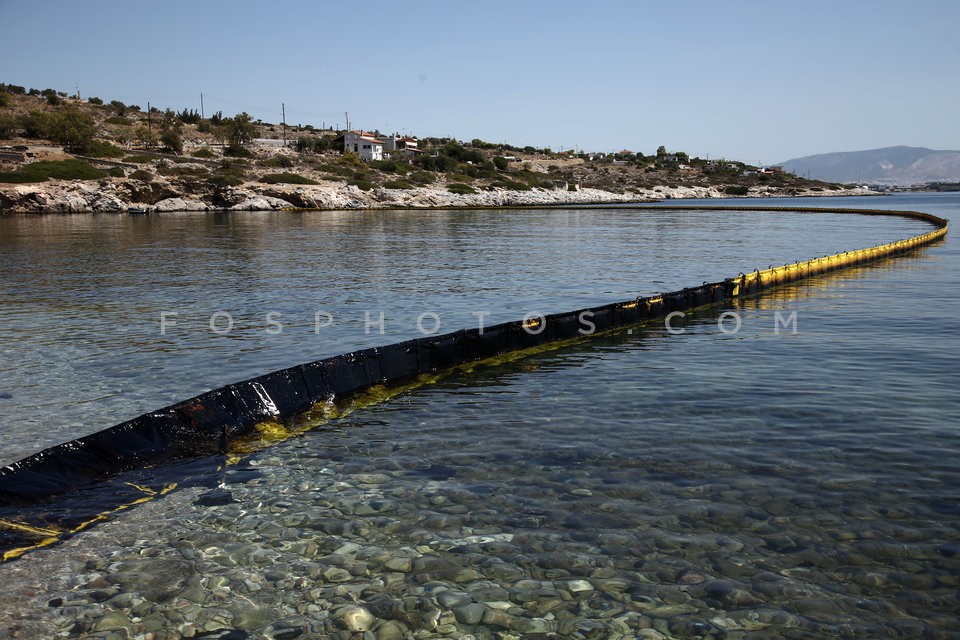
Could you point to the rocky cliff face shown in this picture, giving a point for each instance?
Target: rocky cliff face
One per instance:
(117, 195)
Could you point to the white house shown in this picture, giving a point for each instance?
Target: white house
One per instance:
(399, 143)
(364, 145)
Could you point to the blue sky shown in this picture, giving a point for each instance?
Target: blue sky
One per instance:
(755, 81)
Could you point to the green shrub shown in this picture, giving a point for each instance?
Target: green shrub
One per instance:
(141, 158)
(237, 151)
(501, 163)
(9, 126)
(101, 149)
(172, 140)
(286, 178)
(56, 169)
(143, 175)
(391, 166)
(175, 170)
(116, 172)
(117, 120)
(203, 153)
(736, 189)
(230, 174)
(363, 185)
(459, 187)
(420, 177)
(460, 177)
(4, 99)
(280, 161)
(35, 124)
(95, 100)
(513, 185)
(219, 182)
(461, 153)
(336, 169)
(441, 163)
(350, 159)
(398, 184)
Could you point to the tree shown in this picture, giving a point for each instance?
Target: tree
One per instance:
(72, 128)
(51, 96)
(240, 130)
(661, 151)
(191, 116)
(219, 133)
(501, 163)
(317, 144)
(8, 126)
(145, 136)
(118, 107)
(172, 140)
(36, 124)
(170, 128)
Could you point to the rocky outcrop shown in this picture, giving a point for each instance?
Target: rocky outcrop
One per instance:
(261, 203)
(117, 195)
(179, 204)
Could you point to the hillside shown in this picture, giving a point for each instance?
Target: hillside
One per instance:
(894, 166)
(69, 154)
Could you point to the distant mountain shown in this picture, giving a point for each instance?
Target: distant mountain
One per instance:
(890, 166)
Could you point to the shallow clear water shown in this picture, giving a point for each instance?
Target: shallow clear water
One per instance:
(81, 296)
(755, 484)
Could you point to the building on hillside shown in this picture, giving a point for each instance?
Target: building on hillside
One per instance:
(399, 143)
(364, 144)
(771, 170)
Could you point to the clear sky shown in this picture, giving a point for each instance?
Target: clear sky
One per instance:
(757, 81)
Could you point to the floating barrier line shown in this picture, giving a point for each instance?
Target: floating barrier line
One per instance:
(237, 418)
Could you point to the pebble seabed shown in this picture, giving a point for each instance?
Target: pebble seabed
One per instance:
(377, 526)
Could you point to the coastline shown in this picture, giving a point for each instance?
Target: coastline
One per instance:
(119, 195)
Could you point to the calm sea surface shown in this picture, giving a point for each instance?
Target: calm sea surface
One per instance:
(710, 484)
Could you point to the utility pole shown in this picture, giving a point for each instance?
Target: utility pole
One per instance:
(283, 110)
(201, 105)
(149, 130)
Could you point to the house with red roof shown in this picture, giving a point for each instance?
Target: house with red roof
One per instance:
(364, 144)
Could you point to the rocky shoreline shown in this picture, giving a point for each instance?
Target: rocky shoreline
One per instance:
(119, 195)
